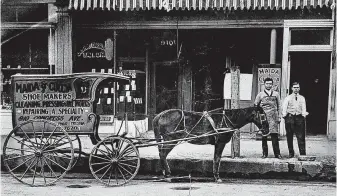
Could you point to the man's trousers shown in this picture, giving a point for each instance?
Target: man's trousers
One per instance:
(295, 124)
(275, 143)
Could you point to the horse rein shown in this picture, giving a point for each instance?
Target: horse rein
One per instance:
(205, 114)
(262, 118)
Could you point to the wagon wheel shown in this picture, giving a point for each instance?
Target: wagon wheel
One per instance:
(114, 161)
(34, 152)
(61, 142)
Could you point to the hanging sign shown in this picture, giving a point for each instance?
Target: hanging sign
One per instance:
(94, 50)
(109, 49)
(273, 73)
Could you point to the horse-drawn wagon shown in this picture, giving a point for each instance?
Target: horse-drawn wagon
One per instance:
(50, 112)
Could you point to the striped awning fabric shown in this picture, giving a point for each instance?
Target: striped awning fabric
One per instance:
(192, 4)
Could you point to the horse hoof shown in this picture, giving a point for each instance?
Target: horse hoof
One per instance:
(168, 179)
(218, 180)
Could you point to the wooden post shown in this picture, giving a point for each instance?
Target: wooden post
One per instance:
(235, 99)
(285, 72)
(63, 42)
(332, 111)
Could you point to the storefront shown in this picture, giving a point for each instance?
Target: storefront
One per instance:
(178, 50)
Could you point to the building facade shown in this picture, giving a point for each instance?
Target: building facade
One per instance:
(177, 51)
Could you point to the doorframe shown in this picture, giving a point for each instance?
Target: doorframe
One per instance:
(290, 25)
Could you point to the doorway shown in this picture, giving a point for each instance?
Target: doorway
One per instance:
(311, 70)
(166, 86)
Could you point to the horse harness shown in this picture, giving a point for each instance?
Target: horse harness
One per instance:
(210, 120)
(225, 120)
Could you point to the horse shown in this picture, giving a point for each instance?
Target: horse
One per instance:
(215, 127)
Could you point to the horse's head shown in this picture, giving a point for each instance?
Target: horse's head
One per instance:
(260, 120)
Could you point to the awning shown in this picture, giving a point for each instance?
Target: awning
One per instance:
(193, 4)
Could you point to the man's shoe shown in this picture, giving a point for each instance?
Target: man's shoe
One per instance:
(291, 156)
(264, 156)
(278, 156)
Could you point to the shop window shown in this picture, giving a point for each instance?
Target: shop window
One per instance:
(132, 96)
(24, 13)
(310, 37)
(22, 51)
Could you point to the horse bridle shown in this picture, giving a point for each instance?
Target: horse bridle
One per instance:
(262, 118)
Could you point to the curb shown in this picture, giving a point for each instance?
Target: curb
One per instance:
(249, 168)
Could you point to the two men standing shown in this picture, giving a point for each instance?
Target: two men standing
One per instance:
(293, 111)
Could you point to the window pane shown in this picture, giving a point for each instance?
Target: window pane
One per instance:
(24, 13)
(310, 37)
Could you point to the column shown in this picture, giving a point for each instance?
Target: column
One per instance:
(273, 46)
(332, 119)
(63, 41)
(285, 73)
(235, 99)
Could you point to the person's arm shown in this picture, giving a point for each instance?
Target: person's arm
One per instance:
(285, 105)
(257, 99)
(304, 107)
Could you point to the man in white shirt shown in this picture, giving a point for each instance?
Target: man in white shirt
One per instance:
(294, 112)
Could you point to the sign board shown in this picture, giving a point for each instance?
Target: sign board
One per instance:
(246, 83)
(64, 101)
(273, 73)
(94, 50)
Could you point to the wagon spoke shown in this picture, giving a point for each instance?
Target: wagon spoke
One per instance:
(35, 135)
(101, 168)
(20, 149)
(61, 144)
(100, 163)
(125, 153)
(18, 157)
(122, 174)
(21, 142)
(116, 176)
(21, 164)
(35, 170)
(57, 141)
(122, 159)
(24, 173)
(128, 165)
(56, 163)
(106, 153)
(106, 172)
(56, 155)
(44, 126)
(42, 169)
(100, 158)
(51, 170)
(49, 137)
(128, 148)
(56, 149)
(26, 135)
(120, 146)
(110, 176)
(125, 170)
(108, 149)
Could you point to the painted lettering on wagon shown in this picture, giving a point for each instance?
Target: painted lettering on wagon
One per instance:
(29, 87)
(46, 96)
(39, 104)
